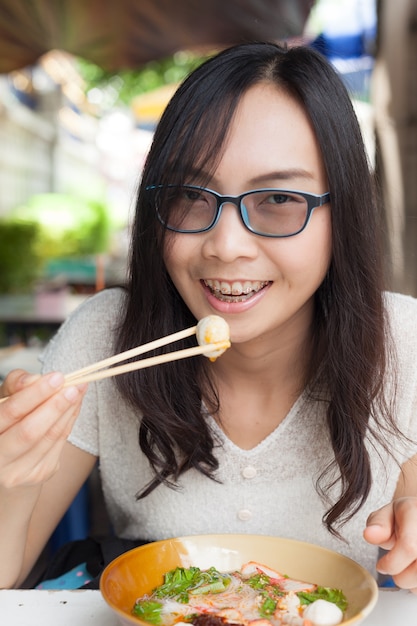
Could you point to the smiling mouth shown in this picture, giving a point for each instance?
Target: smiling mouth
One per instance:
(236, 291)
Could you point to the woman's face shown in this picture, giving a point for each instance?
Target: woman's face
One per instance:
(262, 286)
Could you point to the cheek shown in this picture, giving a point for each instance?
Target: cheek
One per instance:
(324, 237)
(172, 250)
(309, 257)
(178, 252)
(320, 235)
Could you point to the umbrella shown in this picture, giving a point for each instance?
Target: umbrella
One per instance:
(130, 33)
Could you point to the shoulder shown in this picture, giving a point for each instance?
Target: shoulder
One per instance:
(397, 302)
(97, 316)
(402, 316)
(402, 319)
(88, 333)
(103, 306)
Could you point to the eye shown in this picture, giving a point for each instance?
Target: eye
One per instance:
(280, 198)
(192, 195)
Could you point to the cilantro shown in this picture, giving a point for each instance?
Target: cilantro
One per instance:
(180, 582)
(148, 610)
(217, 586)
(258, 581)
(324, 593)
(267, 607)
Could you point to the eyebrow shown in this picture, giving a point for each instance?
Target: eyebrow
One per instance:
(279, 175)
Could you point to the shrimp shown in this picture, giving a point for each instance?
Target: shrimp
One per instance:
(286, 584)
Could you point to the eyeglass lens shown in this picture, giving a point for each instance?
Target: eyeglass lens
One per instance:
(266, 211)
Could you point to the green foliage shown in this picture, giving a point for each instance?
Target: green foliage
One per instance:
(20, 264)
(126, 84)
(68, 225)
(49, 226)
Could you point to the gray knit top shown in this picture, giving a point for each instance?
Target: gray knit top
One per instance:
(268, 490)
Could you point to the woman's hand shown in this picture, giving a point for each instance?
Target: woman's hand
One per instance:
(394, 528)
(35, 420)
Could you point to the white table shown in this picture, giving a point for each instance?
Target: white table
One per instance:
(87, 608)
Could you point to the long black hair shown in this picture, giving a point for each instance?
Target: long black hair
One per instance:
(348, 356)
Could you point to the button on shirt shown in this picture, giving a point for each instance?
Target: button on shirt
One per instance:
(244, 515)
(249, 471)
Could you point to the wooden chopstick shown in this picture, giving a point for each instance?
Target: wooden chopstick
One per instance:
(96, 372)
(123, 356)
(137, 365)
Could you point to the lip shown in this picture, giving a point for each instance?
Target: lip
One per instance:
(236, 307)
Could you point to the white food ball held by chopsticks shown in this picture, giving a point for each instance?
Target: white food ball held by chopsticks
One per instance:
(213, 329)
(212, 334)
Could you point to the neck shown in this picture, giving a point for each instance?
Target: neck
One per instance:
(270, 360)
(257, 386)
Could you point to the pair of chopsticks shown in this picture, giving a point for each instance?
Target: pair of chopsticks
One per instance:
(97, 372)
(102, 369)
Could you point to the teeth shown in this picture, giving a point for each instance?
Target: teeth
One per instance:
(236, 288)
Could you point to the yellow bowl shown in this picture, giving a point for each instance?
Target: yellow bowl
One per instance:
(140, 570)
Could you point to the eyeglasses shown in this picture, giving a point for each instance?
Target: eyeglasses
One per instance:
(266, 212)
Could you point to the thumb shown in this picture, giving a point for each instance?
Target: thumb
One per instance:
(380, 527)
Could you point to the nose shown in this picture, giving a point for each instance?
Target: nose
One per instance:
(230, 239)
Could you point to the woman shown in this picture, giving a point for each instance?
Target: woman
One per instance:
(255, 204)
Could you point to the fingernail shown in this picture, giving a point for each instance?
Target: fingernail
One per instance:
(71, 393)
(56, 380)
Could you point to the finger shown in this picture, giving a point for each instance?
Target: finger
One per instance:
(401, 560)
(41, 460)
(52, 424)
(379, 536)
(46, 421)
(16, 380)
(29, 396)
(407, 578)
(380, 527)
(61, 429)
(35, 468)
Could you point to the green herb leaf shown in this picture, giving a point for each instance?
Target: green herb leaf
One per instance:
(267, 607)
(216, 586)
(177, 581)
(324, 593)
(181, 582)
(148, 610)
(258, 581)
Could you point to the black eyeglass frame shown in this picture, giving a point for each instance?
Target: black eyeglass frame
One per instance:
(313, 201)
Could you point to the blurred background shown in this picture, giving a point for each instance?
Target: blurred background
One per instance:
(82, 86)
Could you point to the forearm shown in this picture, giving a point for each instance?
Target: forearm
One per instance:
(35, 422)
(16, 508)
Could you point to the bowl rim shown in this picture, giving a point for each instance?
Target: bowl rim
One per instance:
(360, 615)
